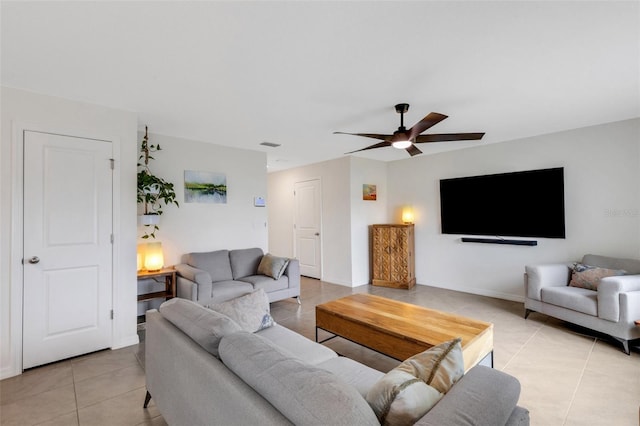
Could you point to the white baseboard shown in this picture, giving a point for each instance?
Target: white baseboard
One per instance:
(127, 341)
(481, 292)
(7, 372)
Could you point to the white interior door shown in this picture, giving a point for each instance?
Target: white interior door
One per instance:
(67, 247)
(307, 227)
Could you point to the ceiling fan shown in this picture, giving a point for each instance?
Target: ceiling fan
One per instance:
(406, 139)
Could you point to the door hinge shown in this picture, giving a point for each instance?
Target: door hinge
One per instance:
(113, 163)
(112, 238)
(112, 314)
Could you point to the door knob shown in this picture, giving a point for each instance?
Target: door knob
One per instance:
(317, 234)
(34, 259)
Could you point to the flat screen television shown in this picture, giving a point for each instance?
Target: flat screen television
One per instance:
(518, 204)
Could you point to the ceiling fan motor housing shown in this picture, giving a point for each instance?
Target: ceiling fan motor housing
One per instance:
(402, 108)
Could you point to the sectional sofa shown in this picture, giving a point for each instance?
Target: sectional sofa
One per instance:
(203, 371)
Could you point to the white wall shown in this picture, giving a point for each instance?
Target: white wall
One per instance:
(336, 196)
(207, 226)
(365, 213)
(29, 110)
(602, 197)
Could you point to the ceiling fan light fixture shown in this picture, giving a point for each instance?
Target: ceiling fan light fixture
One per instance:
(401, 144)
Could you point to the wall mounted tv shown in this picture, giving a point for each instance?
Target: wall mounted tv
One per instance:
(519, 204)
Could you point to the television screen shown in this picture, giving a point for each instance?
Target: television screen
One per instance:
(519, 204)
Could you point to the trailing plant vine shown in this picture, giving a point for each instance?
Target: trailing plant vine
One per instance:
(153, 191)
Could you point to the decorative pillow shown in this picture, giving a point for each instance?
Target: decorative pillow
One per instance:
(204, 326)
(410, 390)
(272, 266)
(250, 311)
(585, 276)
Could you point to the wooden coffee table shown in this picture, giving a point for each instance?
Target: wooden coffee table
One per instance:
(401, 330)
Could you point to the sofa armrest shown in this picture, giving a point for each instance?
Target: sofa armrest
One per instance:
(550, 275)
(630, 306)
(609, 295)
(292, 272)
(193, 283)
(483, 396)
(193, 274)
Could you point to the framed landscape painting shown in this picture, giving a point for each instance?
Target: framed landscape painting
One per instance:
(205, 187)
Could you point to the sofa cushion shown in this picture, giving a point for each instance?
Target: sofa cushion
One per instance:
(268, 284)
(586, 276)
(216, 263)
(574, 298)
(204, 326)
(484, 396)
(250, 311)
(296, 345)
(272, 266)
(357, 375)
(632, 266)
(244, 262)
(221, 291)
(409, 391)
(303, 393)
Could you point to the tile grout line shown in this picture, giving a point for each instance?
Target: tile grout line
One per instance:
(522, 347)
(575, 391)
(75, 393)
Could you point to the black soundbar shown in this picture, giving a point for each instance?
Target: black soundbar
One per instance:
(499, 241)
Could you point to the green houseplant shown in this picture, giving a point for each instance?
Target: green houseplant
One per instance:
(153, 191)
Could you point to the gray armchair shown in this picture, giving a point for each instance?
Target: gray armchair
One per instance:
(611, 309)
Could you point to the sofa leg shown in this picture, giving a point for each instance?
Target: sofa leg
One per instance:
(527, 312)
(625, 347)
(147, 398)
(298, 299)
(625, 344)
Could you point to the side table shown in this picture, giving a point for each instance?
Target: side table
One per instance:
(169, 275)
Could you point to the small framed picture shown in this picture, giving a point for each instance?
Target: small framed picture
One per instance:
(369, 192)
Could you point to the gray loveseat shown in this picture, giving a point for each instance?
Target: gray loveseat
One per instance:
(216, 276)
(611, 309)
(278, 377)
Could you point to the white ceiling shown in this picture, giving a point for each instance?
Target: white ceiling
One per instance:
(241, 73)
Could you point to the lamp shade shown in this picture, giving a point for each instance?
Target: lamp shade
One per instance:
(407, 214)
(153, 257)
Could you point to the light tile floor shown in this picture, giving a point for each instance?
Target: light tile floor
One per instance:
(568, 376)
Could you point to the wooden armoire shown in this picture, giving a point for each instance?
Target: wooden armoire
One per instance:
(392, 256)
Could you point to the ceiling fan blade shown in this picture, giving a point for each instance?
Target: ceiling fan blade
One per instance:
(445, 137)
(366, 135)
(413, 150)
(374, 146)
(431, 119)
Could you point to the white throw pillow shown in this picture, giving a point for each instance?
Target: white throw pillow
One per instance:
(251, 311)
(410, 390)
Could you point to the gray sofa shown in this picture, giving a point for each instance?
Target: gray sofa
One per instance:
(216, 276)
(611, 309)
(278, 377)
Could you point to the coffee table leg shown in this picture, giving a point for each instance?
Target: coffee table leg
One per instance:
(487, 361)
(327, 339)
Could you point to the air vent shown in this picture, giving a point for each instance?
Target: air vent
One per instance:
(270, 144)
